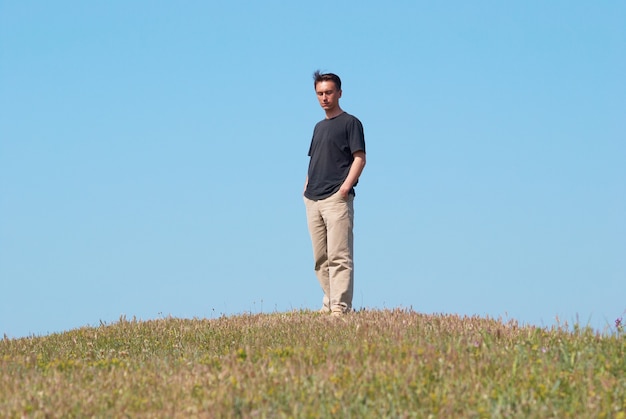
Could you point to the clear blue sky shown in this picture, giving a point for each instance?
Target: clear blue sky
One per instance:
(153, 153)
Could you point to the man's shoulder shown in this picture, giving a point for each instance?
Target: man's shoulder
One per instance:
(345, 118)
(348, 116)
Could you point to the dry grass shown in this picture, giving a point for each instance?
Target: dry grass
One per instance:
(383, 363)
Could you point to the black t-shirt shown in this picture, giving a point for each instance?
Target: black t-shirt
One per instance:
(334, 142)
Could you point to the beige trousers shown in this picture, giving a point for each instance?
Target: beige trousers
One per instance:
(330, 224)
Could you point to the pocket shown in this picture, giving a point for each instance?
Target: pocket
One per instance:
(337, 196)
(348, 198)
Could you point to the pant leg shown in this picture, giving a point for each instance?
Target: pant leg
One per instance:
(317, 230)
(338, 214)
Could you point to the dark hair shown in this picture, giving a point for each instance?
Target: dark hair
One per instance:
(319, 77)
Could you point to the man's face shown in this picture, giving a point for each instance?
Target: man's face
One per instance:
(328, 95)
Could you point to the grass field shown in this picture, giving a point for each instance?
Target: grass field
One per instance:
(369, 364)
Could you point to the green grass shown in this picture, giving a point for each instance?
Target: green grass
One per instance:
(379, 363)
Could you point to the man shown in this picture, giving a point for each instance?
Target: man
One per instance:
(337, 155)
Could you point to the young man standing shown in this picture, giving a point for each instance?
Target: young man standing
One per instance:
(337, 155)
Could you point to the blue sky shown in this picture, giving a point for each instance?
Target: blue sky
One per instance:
(153, 153)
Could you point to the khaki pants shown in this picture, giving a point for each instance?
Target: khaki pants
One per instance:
(330, 223)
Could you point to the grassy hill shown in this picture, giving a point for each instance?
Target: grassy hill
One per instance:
(380, 363)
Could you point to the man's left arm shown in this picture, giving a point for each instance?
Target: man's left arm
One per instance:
(355, 172)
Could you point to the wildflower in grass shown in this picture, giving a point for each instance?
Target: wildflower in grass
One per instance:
(618, 324)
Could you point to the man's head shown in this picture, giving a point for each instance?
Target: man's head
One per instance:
(328, 90)
(318, 77)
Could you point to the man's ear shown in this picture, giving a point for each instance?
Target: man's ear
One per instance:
(340, 92)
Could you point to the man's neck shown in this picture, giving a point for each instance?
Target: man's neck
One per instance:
(334, 113)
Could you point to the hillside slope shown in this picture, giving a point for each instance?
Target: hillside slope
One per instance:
(379, 363)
